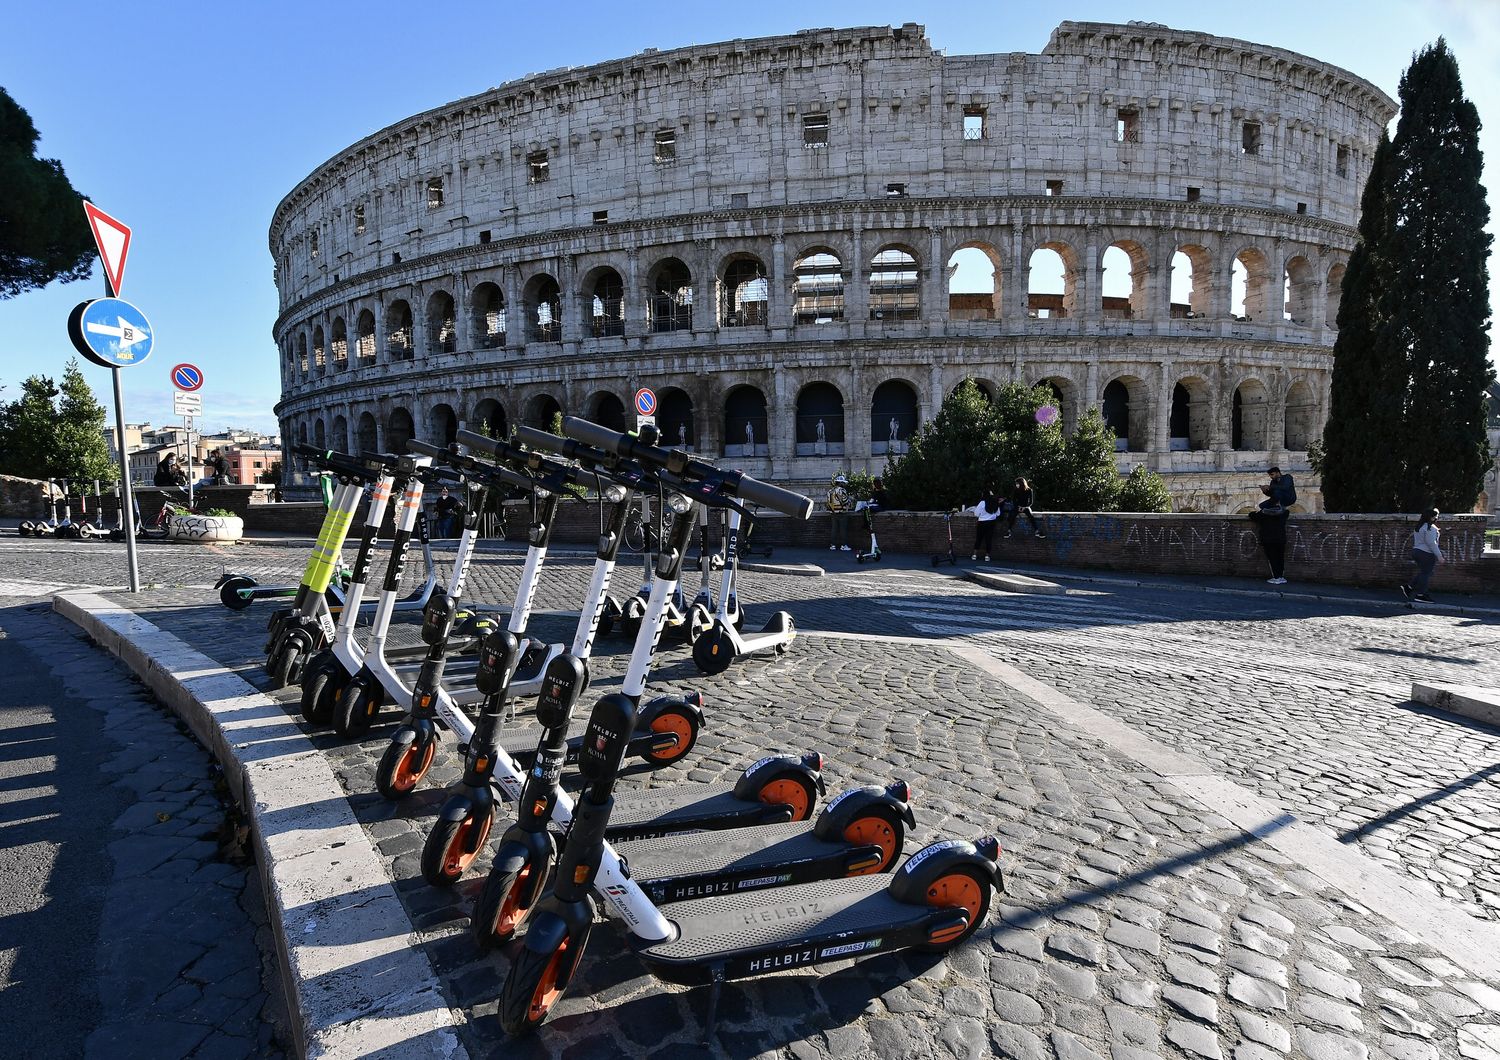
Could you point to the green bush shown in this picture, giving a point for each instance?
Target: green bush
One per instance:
(223, 513)
(1143, 491)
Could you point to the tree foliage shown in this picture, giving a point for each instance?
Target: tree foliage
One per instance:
(55, 431)
(975, 444)
(1411, 365)
(44, 235)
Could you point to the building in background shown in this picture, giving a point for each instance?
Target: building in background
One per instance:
(804, 243)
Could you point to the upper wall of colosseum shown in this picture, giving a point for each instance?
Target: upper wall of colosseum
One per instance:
(1119, 111)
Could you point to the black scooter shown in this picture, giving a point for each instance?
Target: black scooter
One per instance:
(950, 556)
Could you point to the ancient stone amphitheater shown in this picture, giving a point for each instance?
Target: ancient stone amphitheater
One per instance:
(803, 243)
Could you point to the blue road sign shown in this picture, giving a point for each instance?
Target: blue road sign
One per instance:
(645, 401)
(187, 377)
(110, 332)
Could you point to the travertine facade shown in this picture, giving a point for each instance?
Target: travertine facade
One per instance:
(764, 231)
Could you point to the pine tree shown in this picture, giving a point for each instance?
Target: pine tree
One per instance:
(81, 451)
(1365, 394)
(44, 235)
(54, 431)
(26, 430)
(1439, 286)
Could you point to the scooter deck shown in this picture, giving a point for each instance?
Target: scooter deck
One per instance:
(521, 744)
(687, 808)
(747, 934)
(678, 867)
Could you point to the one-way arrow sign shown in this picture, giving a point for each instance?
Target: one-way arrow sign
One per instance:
(113, 240)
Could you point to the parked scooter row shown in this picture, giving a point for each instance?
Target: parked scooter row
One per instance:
(57, 520)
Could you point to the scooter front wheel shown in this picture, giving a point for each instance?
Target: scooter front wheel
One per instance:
(536, 982)
(322, 679)
(355, 707)
(404, 764)
(286, 661)
(445, 855)
(234, 592)
(515, 882)
(681, 722)
(713, 652)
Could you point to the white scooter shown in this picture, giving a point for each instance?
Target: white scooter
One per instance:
(723, 643)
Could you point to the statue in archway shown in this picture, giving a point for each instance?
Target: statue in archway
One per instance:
(682, 435)
(822, 432)
(750, 437)
(895, 431)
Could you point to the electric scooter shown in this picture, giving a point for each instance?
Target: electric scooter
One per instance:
(44, 526)
(723, 643)
(92, 530)
(239, 591)
(65, 527)
(950, 556)
(872, 555)
(938, 898)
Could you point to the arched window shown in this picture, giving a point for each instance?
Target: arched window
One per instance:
(1335, 294)
(489, 316)
(319, 353)
(1116, 408)
(893, 417)
(1122, 287)
(671, 296)
(542, 412)
(746, 429)
(365, 436)
(365, 336)
(320, 434)
(442, 425)
(607, 304)
(674, 416)
(398, 431)
(1299, 292)
(340, 343)
(1250, 286)
(489, 419)
(339, 438)
(1301, 417)
(974, 283)
(1049, 285)
(818, 288)
(442, 323)
(820, 420)
(398, 337)
(1063, 399)
(608, 410)
(895, 286)
(745, 294)
(544, 309)
(302, 353)
(1188, 423)
(1247, 426)
(1191, 273)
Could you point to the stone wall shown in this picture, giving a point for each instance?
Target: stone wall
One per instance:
(22, 498)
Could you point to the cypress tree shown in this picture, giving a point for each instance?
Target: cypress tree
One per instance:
(1364, 413)
(1439, 286)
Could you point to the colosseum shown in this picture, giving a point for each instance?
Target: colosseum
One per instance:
(804, 242)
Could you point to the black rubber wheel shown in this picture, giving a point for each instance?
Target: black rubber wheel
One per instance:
(230, 592)
(536, 982)
(404, 764)
(713, 652)
(675, 719)
(507, 897)
(444, 859)
(962, 886)
(280, 666)
(355, 706)
(321, 684)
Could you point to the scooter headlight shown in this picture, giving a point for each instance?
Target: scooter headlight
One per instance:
(614, 493)
(679, 503)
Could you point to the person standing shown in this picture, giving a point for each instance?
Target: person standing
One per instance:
(1270, 526)
(1426, 554)
(986, 516)
(1020, 498)
(449, 514)
(839, 503)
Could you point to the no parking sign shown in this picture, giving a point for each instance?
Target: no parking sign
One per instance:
(645, 407)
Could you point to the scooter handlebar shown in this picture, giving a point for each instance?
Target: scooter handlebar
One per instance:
(420, 448)
(752, 490)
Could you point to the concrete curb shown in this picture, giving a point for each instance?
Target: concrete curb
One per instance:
(1014, 583)
(790, 570)
(356, 983)
(1480, 704)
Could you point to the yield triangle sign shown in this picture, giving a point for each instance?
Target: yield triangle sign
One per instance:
(113, 240)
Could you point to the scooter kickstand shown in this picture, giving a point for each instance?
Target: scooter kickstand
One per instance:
(713, 1004)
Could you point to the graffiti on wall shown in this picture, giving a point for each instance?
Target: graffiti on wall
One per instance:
(1225, 543)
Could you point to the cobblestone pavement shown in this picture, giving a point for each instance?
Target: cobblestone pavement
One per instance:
(1136, 922)
(142, 931)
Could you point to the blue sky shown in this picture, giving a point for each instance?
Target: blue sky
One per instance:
(191, 121)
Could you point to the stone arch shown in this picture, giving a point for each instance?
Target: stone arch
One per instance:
(1190, 421)
(1250, 285)
(670, 282)
(1124, 267)
(302, 362)
(820, 403)
(1335, 293)
(1052, 264)
(1299, 292)
(320, 434)
(319, 349)
(543, 299)
(974, 282)
(1301, 420)
(489, 419)
(604, 302)
(818, 287)
(747, 429)
(364, 343)
(1126, 405)
(541, 410)
(442, 424)
(398, 336)
(894, 413)
(1065, 397)
(744, 292)
(674, 417)
(339, 437)
(488, 310)
(1248, 417)
(302, 432)
(442, 323)
(399, 429)
(895, 284)
(338, 343)
(1192, 281)
(366, 437)
(606, 409)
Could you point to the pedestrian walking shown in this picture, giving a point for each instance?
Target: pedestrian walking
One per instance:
(1021, 499)
(986, 516)
(1426, 554)
(1270, 526)
(840, 504)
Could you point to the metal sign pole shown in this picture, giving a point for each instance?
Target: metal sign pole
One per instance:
(127, 501)
(188, 423)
